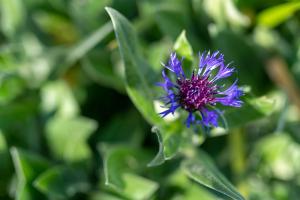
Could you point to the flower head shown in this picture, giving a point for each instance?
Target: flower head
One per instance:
(200, 93)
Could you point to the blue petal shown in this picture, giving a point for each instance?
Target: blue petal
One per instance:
(209, 62)
(174, 65)
(190, 119)
(209, 117)
(170, 98)
(167, 85)
(224, 72)
(172, 110)
(232, 95)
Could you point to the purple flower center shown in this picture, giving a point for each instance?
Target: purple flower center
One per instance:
(195, 93)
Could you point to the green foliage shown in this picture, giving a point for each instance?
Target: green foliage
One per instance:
(28, 167)
(61, 182)
(79, 105)
(139, 75)
(183, 47)
(274, 16)
(252, 109)
(68, 138)
(13, 16)
(201, 169)
(118, 162)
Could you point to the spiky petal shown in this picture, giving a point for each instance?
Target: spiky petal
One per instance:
(200, 93)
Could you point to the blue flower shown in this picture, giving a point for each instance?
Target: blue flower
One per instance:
(200, 93)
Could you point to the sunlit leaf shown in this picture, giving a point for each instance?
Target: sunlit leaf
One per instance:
(37, 62)
(276, 15)
(67, 137)
(183, 47)
(12, 16)
(278, 155)
(3, 145)
(58, 97)
(225, 13)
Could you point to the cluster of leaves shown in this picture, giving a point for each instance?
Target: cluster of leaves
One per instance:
(78, 117)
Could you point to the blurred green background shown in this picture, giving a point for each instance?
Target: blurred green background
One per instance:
(78, 116)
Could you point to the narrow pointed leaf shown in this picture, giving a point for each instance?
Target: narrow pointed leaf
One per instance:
(139, 76)
(201, 169)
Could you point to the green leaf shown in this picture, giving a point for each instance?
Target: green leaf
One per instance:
(12, 17)
(139, 80)
(172, 138)
(225, 12)
(193, 193)
(6, 172)
(146, 188)
(240, 50)
(58, 26)
(160, 156)
(189, 190)
(3, 145)
(88, 43)
(28, 166)
(61, 182)
(67, 137)
(169, 142)
(6, 168)
(11, 85)
(139, 76)
(201, 169)
(158, 52)
(183, 47)
(87, 15)
(79, 50)
(276, 15)
(37, 62)
(104, 196)
(164, 13)
(132, 126)
(57, 97)
(99, 68)
(18, 118)
(251, 110)
(278, 156)
(119, 161)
